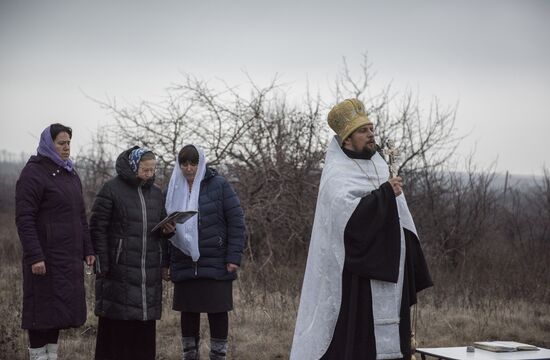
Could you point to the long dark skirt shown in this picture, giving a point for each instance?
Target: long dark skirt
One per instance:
(125, 339)
(203, 296)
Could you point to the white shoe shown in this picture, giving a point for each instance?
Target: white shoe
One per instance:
(51, 349)
(38, 353)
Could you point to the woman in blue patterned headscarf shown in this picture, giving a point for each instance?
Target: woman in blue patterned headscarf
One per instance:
(129, 258)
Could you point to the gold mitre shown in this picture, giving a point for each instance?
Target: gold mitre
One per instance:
(346, 117)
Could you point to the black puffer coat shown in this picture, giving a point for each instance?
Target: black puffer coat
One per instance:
(129, 257)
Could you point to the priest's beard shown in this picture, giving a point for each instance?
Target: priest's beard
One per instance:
(365, 152)
(368, 152)
(357, 152)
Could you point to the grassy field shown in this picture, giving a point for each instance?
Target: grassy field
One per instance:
(262, 324)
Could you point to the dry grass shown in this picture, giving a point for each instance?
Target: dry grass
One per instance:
(489, 319)
(262, 324)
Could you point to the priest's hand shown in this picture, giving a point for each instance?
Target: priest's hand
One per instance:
(397, 184)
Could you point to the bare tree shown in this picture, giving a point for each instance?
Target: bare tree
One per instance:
(96, 165)
(272, 149)
(192, 112)
(426, 139)
(455, 211)
(278, 162)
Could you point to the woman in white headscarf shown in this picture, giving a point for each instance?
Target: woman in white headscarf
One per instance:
(206, 251)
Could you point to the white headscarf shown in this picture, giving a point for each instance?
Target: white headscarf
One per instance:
(179, 198)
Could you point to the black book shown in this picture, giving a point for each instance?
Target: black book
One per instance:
(178, 216)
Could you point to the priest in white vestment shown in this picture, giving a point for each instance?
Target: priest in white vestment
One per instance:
(365, 264)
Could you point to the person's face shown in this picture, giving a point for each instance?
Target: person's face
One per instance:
(189, 170)
(62, 144)
(146, 169)
(362, 140)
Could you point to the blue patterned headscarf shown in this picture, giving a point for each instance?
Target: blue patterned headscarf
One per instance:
(46, 148)
(135, 157)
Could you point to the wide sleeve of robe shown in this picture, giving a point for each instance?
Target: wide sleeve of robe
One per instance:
(372, 237)
(372, 243)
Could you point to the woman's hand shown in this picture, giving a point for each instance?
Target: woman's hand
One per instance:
(169, 227)
(39, 268)
(90, 260)
(231, 267)
(165, 273)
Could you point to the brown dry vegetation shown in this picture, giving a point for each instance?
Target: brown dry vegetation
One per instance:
(487, 244)
(461, 308)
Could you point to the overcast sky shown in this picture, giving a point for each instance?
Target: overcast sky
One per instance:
(489, 57)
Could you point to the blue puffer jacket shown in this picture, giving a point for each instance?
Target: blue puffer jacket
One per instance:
(221, 233)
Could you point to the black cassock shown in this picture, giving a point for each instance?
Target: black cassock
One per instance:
(372, 250)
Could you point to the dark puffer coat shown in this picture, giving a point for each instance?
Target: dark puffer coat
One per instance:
(221, 233)
(51, 221)
(128, 257)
